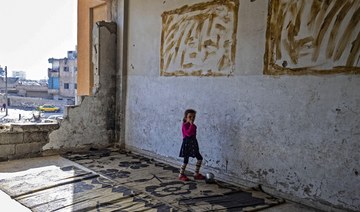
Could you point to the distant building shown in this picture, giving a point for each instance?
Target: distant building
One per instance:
(19, 74)
(32, 88)
(37, 91)
(62, 75)
(43, 82)
(2, 71)
(12, 82)
(17, 85)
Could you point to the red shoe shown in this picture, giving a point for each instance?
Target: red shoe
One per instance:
(199, 176)
(183, 177)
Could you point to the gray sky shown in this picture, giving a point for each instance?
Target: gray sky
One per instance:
(33, 31)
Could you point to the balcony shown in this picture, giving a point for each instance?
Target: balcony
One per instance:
(53, 74)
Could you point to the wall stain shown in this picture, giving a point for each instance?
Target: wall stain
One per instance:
(313, 36)
(356, 172)
(199, 40)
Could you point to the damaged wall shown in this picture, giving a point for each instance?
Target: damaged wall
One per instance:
(24, 140)
(296, 134)
(91, 124)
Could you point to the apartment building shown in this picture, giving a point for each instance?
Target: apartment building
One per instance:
(62, 75)
(19, 74)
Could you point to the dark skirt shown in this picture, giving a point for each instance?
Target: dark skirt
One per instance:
(189, 148)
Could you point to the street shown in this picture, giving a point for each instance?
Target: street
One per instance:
(16, 115)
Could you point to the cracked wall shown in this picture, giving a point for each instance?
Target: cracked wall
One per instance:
(24, 140)
(294, 134)
(91, 124)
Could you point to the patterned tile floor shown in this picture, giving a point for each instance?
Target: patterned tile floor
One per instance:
(121, 181)
(159, 180)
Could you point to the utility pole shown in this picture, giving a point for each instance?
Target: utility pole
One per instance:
(6, 92)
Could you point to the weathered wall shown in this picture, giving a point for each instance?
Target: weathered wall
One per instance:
(24, 140)
(296, 134)
(91, 124)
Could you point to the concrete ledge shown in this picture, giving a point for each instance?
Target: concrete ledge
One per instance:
(6, 150)
(28, 149)
(41, 127)
(4, 128)
(24, 140)
(38, 137)
(67, 109)
(11, 138)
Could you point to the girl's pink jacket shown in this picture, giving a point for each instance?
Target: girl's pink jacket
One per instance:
(188, 130)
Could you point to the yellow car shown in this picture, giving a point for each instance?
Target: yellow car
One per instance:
(48, 108)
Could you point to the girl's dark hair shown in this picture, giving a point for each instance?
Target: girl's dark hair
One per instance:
(187, 112)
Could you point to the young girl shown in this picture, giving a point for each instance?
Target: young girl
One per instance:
(190, 146)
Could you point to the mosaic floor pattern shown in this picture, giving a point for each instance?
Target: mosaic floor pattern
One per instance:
(111, 180)
(159, 180)
(70, 188)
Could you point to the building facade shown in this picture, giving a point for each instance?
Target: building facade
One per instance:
(62, 75)
(2, 71)
(19, 74)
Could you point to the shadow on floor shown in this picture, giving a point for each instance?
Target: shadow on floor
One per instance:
(119, 181)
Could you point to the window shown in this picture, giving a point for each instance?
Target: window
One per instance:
(66, 68)
(75, 86)
(66, 85)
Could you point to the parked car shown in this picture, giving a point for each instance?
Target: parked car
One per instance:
(53, 119)
(48, 108)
